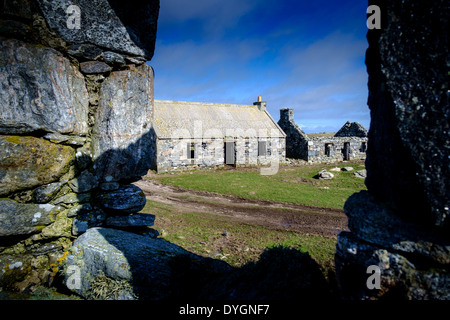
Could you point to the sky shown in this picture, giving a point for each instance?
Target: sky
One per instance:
(303, 55)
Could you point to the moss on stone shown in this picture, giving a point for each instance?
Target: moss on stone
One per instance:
(61, 227)
(29, 162)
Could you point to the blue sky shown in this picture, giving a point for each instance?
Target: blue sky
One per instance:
(304, 55)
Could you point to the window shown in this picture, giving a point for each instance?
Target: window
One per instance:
(363, 147)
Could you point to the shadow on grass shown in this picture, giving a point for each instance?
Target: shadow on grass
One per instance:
(280, 274)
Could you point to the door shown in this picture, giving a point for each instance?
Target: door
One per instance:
(262, 148)
(191, 152)
(230, 153)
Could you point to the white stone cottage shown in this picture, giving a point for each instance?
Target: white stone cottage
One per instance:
(197, 134)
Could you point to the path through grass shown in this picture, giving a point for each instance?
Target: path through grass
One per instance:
(290, 184)
(217, 237)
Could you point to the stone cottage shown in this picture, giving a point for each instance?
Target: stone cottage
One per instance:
(349, 143)
(197, 134)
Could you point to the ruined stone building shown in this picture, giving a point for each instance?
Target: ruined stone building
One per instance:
(197, 134)
(349, 143)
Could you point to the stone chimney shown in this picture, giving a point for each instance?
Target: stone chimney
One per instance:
(262, 105)
(287, 114)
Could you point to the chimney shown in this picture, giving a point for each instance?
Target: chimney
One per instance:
(262, 105)
(287, 114)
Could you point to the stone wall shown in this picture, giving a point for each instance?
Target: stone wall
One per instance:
(296, 139)
(401, 225)
(75, 109)
(333, 149)
(323, 149)
(173, 154)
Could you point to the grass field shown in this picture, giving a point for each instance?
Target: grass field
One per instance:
(290, 184)
(216, 236)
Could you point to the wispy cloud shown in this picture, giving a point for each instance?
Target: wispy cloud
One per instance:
(188, 70)
(179, 11)
(324, 80)
(215, 17)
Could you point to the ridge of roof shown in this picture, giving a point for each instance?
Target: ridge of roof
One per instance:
(205, 103)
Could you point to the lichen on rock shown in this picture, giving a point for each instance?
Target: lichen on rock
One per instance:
(28, 162)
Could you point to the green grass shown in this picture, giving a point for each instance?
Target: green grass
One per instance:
(290, 184)
(202, 233)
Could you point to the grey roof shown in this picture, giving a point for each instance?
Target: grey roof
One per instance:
(179, 119)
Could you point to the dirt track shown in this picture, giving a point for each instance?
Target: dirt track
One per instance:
(275, 215)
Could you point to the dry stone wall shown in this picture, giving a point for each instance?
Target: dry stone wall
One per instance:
(352, 129)
(172, 154)
(334, 149)
(75, 114)
(400, 226)
(296, 139)
(42, 91)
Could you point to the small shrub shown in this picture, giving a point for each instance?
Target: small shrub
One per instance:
(105, 288)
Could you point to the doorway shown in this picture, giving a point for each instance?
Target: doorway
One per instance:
(191, 151)
(346, 151)
(363, 147)
(230, 153)
(328, 149)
